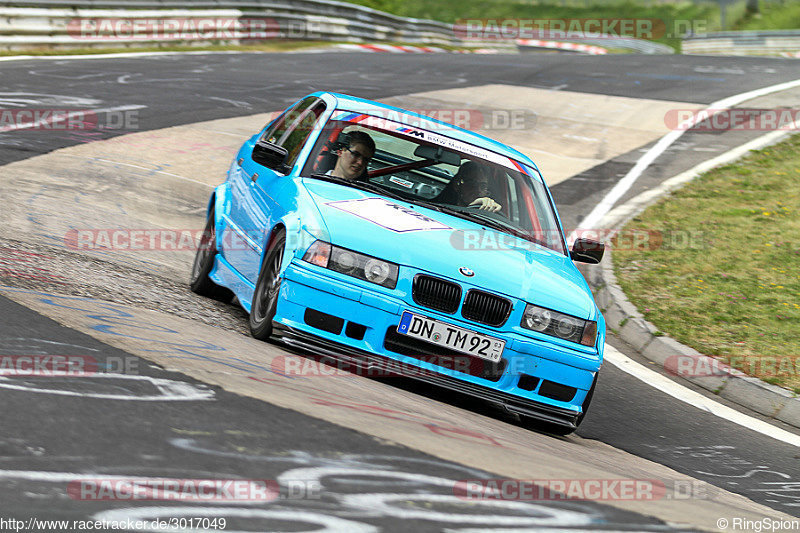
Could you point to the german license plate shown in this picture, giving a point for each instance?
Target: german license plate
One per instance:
(444, 334)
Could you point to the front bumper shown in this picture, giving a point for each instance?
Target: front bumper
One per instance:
(373, 315)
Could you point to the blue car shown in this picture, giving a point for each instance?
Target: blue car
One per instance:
(385, 239)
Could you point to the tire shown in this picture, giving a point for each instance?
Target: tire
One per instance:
(199, 282)
(265, 297)
(557, 429)
(587, 401)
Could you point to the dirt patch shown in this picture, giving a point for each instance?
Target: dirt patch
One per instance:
(55, 270)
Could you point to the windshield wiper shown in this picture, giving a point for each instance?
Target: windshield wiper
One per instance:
(484, 219)
(467, 215)
(438, 207)
(508, 228)
(499, 225)
(363, 185)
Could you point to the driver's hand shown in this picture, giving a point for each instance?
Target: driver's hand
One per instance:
(487, 204)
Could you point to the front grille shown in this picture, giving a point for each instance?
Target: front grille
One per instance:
(442, 356)
(436, 293)
(485, 308)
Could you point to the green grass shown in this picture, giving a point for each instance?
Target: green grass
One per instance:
(773, 16)
(269, 46)
(725, 278)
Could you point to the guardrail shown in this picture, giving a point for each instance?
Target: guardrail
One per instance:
(60, 27)
(134, 23)
(762, 42)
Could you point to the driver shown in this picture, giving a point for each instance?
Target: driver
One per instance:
(469, 188)
(353, 158)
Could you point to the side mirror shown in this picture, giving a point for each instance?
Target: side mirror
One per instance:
(587, 251)
(271, 156)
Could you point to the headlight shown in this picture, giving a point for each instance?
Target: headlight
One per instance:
(343, 261)
(559, 325)
(352, 263)
(378, 271)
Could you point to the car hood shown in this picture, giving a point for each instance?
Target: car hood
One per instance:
(434, 242)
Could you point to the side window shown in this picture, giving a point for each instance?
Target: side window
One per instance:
(296, 136)
(279, 127)
(293, 128)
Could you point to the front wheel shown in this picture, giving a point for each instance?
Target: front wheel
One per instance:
(265, 297)
(199, 282)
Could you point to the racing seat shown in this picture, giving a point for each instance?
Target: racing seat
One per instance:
(326, 159)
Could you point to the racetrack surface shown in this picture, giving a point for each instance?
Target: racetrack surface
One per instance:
(121, 183)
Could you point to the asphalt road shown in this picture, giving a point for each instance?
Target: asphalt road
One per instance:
(52, 436)
(181, 89)
(56, 433)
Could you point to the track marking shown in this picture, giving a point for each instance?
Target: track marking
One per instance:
(623, 185)
(666, 385)
(622, 212)
(695, 399)
(168, 390)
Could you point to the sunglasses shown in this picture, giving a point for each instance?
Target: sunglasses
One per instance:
(358, 155)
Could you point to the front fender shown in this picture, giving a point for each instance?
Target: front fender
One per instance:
(302, 221)
(221, 202)
(298, 239)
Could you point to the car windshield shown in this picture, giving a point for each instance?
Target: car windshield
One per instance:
(438, 172)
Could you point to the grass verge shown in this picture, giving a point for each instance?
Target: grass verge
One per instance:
(773, 16)
(725, 278)
(271, 46)
(268, 46)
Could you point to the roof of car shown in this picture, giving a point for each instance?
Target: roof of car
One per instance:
(369, 107)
